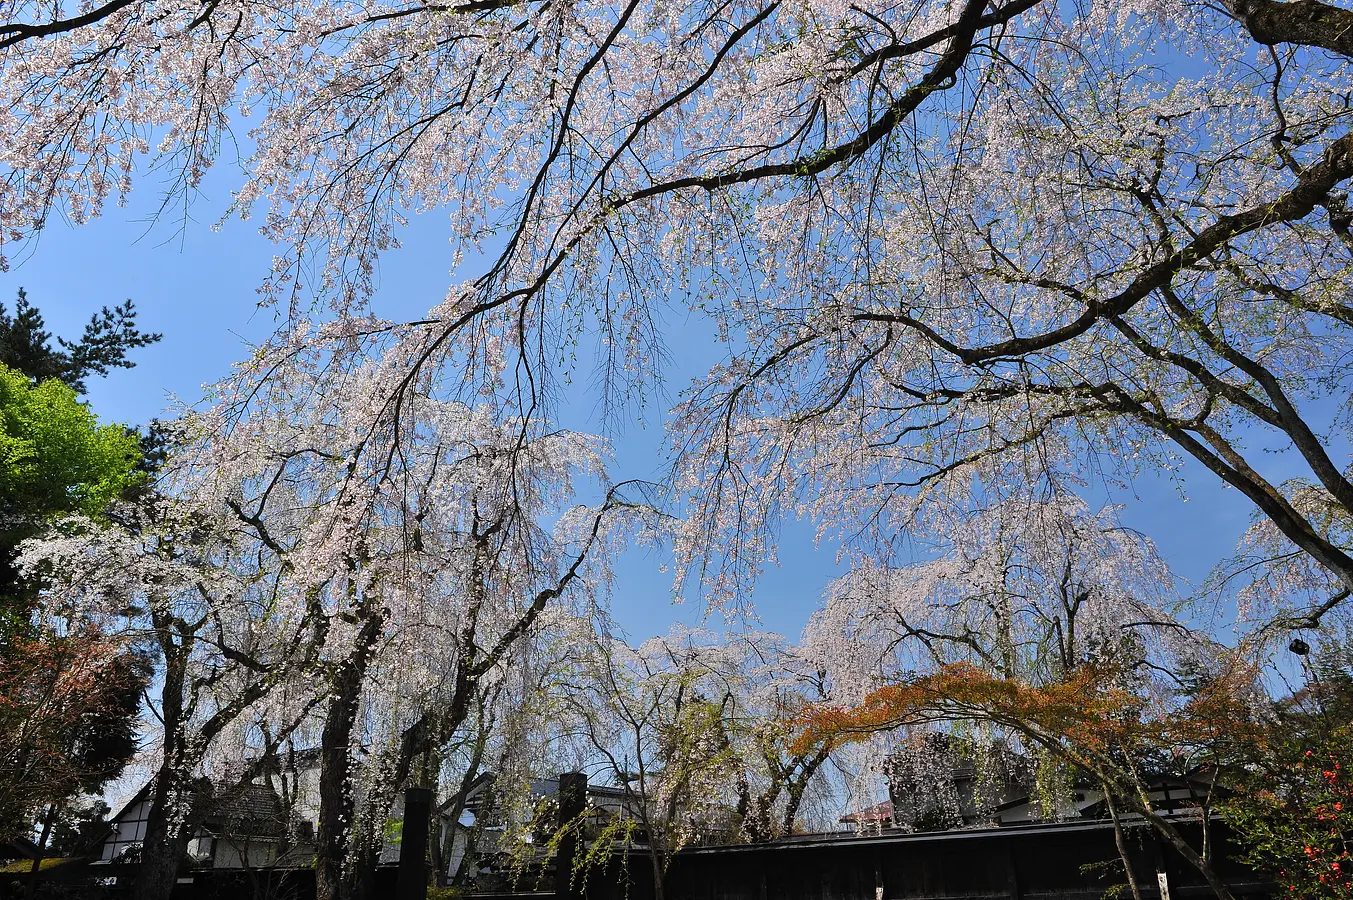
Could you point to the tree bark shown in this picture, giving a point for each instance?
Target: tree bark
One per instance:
(798, 786)
(655, 858)
(1308, 23)
(1121, 843)
(48, 820)
(336, 821)
(162, 852)
(171, 795)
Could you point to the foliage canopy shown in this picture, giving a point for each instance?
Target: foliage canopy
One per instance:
(55, 457)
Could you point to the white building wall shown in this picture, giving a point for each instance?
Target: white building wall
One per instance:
(128, 830)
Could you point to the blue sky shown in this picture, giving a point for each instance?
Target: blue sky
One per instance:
(197, 286)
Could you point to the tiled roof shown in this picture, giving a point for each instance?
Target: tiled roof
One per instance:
(254, 809)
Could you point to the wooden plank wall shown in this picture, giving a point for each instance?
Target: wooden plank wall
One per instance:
(1033, 863)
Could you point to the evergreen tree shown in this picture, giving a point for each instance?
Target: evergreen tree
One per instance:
(26, 345)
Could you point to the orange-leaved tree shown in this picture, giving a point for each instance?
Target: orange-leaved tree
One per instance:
(1094, 720)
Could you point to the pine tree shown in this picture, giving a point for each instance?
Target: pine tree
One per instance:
(26, 345)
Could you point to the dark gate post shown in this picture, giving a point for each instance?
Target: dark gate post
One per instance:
(572, 804)
(413, 845)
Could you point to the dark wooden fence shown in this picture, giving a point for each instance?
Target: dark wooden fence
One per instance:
(1038, 862)
(1072, 861)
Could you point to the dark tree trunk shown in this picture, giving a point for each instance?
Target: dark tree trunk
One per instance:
(1121, 843)
(659, 873)
(336, 820)
(359, 880)
(162, 852)
(48, 820)
(171, 795)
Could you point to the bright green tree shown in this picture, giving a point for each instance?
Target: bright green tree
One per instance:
(55, 457)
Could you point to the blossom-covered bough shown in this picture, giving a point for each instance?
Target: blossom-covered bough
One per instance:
(943, 240)
(1025, 591)
(300, 591)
